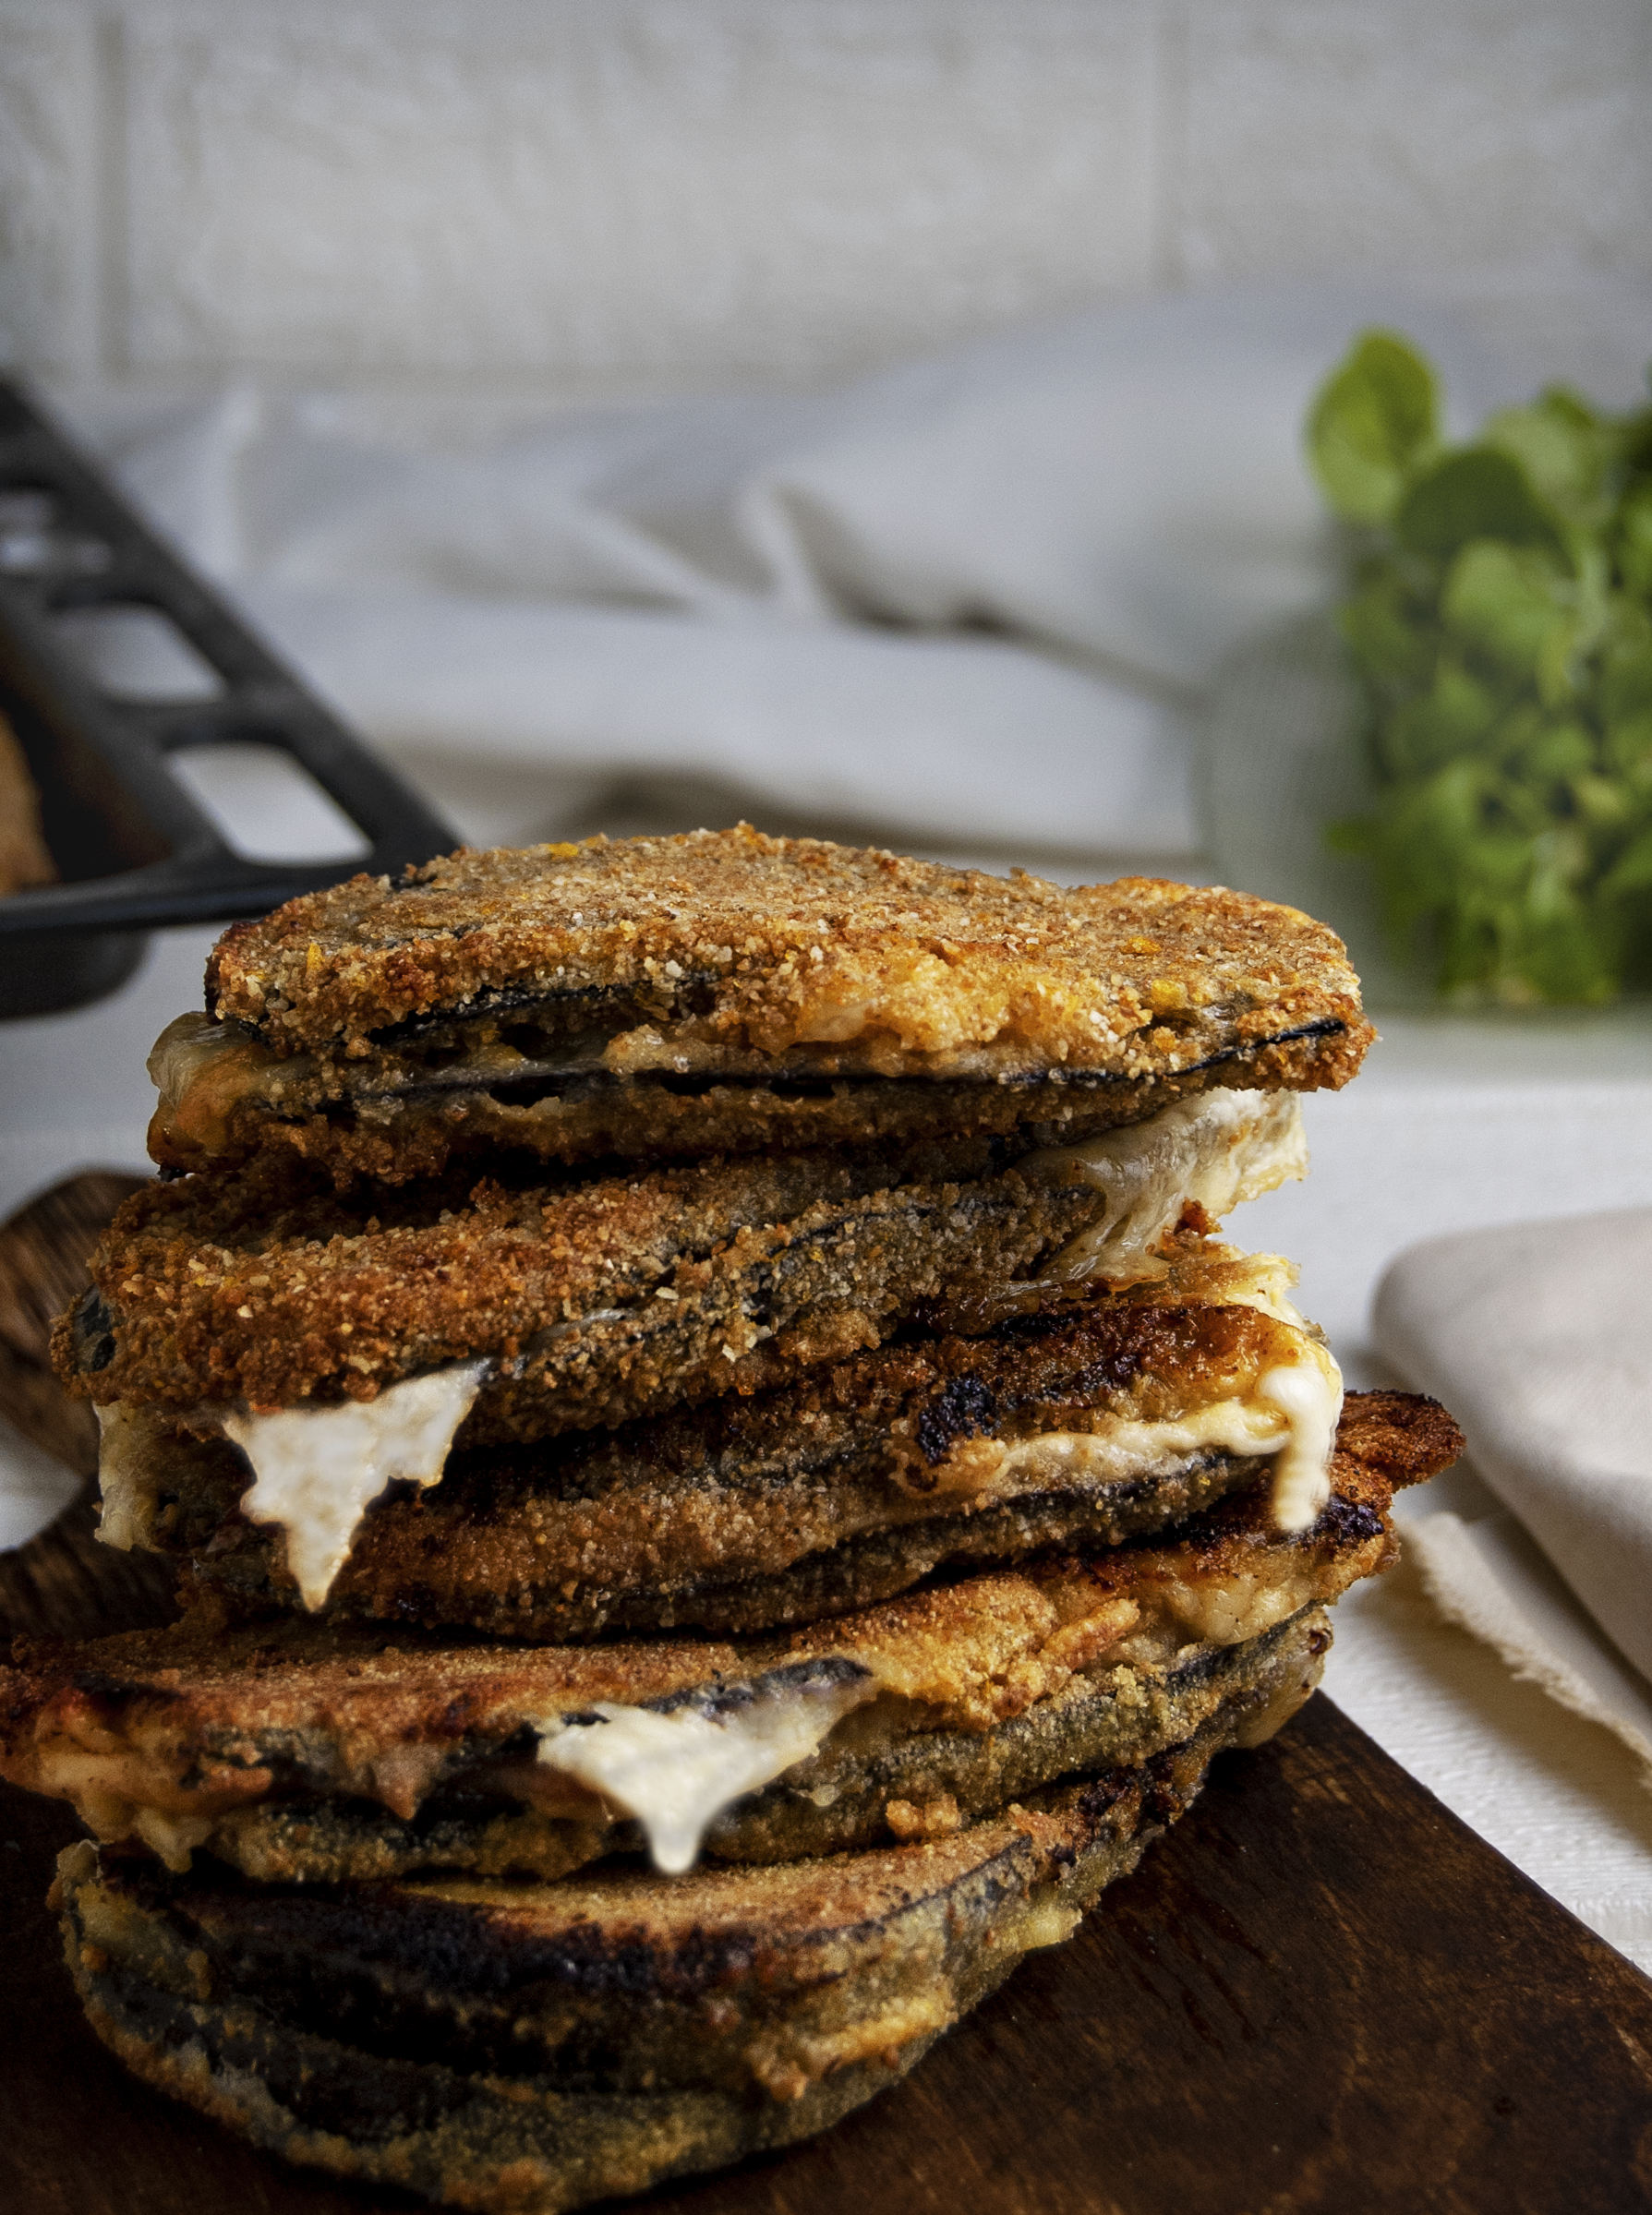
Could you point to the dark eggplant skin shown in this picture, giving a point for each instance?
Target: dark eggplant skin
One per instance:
(833, 1803)
(565, 2043)
(430, 1095)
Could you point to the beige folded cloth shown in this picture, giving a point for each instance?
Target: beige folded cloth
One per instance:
(1538, 1338)
(1489, 1578)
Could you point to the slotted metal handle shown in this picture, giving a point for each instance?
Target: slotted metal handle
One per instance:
(67, 544)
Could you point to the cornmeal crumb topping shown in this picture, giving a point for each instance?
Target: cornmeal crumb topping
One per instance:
(769, 944)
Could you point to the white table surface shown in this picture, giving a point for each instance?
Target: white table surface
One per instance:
(1453, 1123)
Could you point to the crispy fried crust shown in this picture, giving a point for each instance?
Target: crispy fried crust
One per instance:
(533, 2048)
(888, 1777)
(829, 1493)
(314, 1748)
(1399, 1438)
(601, 1298)
(196, 1697)
(732, 941)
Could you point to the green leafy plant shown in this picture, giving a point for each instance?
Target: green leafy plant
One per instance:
(1501, 619)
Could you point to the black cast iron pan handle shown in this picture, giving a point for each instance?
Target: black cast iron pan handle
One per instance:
(171, 864)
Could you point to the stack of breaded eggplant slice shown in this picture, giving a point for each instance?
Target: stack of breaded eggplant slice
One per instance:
(724, 1482)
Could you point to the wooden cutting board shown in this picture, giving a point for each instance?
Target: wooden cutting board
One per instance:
(1321, 1992)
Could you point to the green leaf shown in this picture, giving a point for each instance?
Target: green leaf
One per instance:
(1393, 641)
(1627, 674)
(1632, 871)
(1570, 960)
(1447, 720)
(1557, 664)
(1435, 830)
(1507, 601)
(1499, 614)
(1562, 751)
(1605, 804)
(1629, 741)
(1637, 435)
(1566, 953)
(1592, 596)
(1562, 445)
(1474, 493)
(1371, 421)
(1633, 545)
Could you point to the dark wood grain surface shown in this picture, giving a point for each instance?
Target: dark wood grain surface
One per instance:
(42, 1268)
(1322, 1991)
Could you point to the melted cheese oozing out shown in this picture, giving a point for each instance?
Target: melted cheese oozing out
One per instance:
(1254, 1426)
(318, 1468)
(1310, 1396)
(676, 1772)
(1218, 1148)
(1292, 1411)
(188, 1044)
(122, 1470)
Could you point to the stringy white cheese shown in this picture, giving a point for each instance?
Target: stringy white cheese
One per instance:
(188, 1044)
(1217, 1150)
(1290, 1411)
(124, 1476)
(317, 1469)
(1310, 1396)
(676, 1772)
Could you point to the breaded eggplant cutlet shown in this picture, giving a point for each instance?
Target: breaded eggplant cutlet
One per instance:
(315, 1751)
(1083, 1073)
(724, 991)
(539, 2046)
(712, 1351)
(360, 1332)
(1081, 1419)
(593, 1298)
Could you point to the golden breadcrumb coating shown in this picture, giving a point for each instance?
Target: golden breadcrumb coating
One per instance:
(729, 943)
(204, 1720)
(599, 1298)
(527, 2049)
(834, 1491)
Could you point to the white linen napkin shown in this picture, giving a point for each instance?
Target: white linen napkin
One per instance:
(1537, 1337)
(974, 598)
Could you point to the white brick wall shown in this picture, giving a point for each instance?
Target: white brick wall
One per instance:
(1417, 134)
(50, 231)
(642, 185)
(602, 194)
